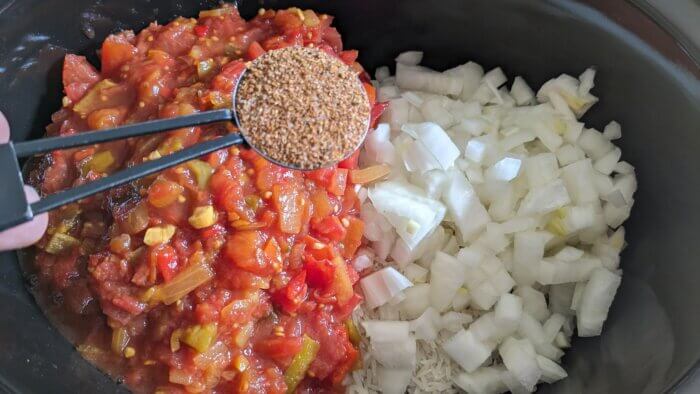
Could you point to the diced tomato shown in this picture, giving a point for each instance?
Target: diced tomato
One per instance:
(201, 30)
(254, 51)
(332, 38)
(78, 76)
(322, 176)
(287, 20)
(279, 348)
(322, 206)
(342, 283)
(129, 304)
(244, 249)
(319, 273)
(338, 181)
(327, 48)
(116, 51)
(351, 161)
(212, 232)
(351, 203)
(175, 38)
(289, 204)
(226, 79)
(348, 57)
(330, 227)
(290, 297)
(342, 312)
(371, 93)
(206, 313)
(353, 236)
(166, 260)
(272, 252)
(163, 192)
(377, 111)
(345, 366)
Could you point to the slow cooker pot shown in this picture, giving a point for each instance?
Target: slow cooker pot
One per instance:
(646, 80)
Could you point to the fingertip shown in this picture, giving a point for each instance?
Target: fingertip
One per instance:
(28, 233)
(4, 128)
(39, 223)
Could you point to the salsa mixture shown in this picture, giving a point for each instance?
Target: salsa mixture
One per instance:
(224, 274)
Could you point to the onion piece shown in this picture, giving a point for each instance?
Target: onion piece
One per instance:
(595, 302)
(454, 321)
(386, 331)
(381, 286)
(438, 143)
(195, 275)
(509, 310)
(395, 354)
(486, 380)
(411, 58)
(471, 74)
(393, 380)
(504, 170)
(446, 277)
(426, 326)
(520, 359)
(416, 301)
(412, 77)
(466, 350)
(412, 215)
(464, 205)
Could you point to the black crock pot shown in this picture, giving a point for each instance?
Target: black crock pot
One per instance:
(645, 80)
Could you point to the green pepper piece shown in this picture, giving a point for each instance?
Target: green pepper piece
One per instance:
(300, 363)
(200, 337)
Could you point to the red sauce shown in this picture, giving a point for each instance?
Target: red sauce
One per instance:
(268, 252)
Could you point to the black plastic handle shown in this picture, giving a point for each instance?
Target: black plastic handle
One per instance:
(30, 148)
(56, 200)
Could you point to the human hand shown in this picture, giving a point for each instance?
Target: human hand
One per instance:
(27, 233)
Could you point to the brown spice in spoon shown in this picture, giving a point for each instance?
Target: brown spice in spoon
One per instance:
(302, 107)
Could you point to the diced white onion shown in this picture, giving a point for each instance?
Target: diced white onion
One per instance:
(381, 286)
(386, 331)
(411, 58)
(595, 302)
(466, 350)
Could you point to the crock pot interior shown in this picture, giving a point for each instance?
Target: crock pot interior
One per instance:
(650, 340)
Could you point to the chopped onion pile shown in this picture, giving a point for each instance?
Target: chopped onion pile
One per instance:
(498, 227)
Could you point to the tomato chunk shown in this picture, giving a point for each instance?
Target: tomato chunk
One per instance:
(330, 227)
(244, 249)
(166, 260)
(78, 76)
(319, 273)
(291, 296)
(116, 51)
(279, 348)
